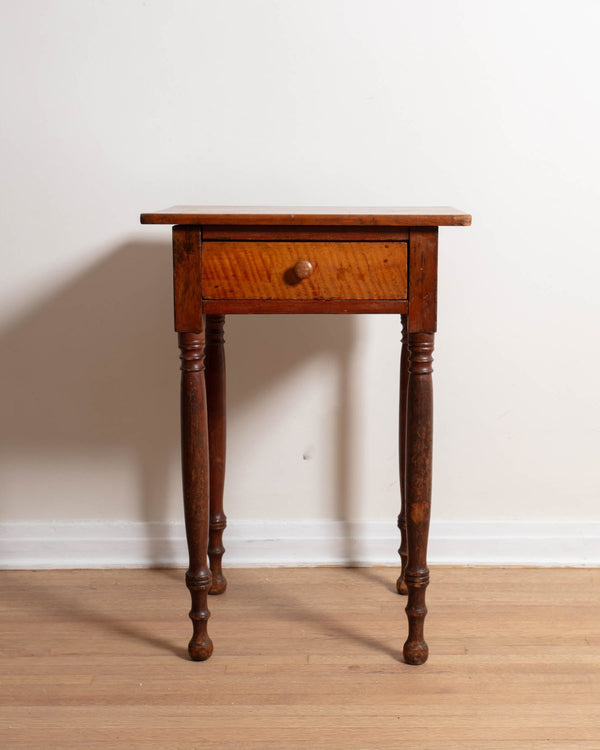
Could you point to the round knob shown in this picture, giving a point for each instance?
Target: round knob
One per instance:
(303, 269)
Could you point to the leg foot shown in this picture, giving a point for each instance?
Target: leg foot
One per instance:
(415, 649)
(219, 585)
(401, 587)
(200, 650)
(415, 653)
(200, 646)
(219, 582)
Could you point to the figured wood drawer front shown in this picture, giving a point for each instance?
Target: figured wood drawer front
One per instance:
(304, 270)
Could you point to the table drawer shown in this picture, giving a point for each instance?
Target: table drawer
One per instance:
(304, 270)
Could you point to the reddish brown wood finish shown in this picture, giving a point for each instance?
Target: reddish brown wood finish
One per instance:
(390, 216)
(423, 279)
(267, 231)
(282, 306)
(339, 270)
(403, 550)
(300, 233)
(187, 278)
(419, 424)
(215, 395)
(194, 460)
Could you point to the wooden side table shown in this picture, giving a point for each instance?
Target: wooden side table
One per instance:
(301, 260)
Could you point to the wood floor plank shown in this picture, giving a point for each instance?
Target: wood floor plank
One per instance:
(304, 658)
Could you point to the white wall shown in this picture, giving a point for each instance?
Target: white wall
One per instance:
(115, 107)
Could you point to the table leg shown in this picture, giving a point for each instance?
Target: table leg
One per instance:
(403, 550)
(215, 396)
(419, 419)
(194, 455)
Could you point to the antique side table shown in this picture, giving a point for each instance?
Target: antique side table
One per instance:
(301, 260)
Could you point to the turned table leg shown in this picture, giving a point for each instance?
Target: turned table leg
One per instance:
(194, 455)
(419, 417)
(215, 395)
(403, 550)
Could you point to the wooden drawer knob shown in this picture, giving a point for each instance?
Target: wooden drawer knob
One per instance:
(303, 269)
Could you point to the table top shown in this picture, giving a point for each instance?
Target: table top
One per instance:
(387, 216)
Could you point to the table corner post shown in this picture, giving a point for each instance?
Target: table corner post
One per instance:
(190, 327)
(422, 324)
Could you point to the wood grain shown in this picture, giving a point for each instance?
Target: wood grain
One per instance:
(342, 270)
(214, 375)
(284, 307)
(107, 670)
(423, 262)
(306, 260)
(187, 279)
(405, 216)
(258, 232)
(403, 549)
(417, 500)
(195, 476)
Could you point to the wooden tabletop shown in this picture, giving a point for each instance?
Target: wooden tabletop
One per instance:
(310, 216)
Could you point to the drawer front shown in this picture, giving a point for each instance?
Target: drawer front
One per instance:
(304, 270)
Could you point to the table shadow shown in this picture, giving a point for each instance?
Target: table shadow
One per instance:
(92, 369)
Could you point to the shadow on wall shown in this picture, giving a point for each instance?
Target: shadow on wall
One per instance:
(94, 368)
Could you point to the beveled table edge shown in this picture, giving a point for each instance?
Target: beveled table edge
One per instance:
(309, 216)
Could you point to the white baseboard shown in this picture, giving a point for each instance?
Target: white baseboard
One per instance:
(106, 544)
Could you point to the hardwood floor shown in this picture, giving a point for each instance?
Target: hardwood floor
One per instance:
(304, 658)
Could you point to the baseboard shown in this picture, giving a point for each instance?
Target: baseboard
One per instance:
(104, 544)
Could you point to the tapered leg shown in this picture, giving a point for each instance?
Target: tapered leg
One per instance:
(215, 396)
(419, 418)
(403, 550)
(194, 454)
